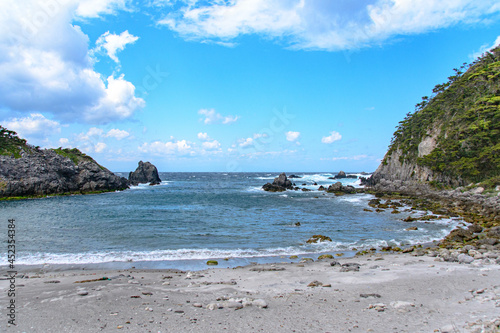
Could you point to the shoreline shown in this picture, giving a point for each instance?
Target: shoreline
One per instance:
(371, 293)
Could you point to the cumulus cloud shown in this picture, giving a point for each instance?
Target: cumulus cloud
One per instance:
(113, 43)
(117, 134)
(99, 147)
(292, 136)
(160, 148)
(203, 136)
(45, 63)
(212, 117)
(334, 136)
(211, 145)
(327, 25)
(245, 142)
(34, 125)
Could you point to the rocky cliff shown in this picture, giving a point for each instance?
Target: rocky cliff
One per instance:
(453, 137)
(29, 171)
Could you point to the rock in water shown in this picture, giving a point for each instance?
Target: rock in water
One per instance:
(280, 184)
(340, 175)
(145, 173)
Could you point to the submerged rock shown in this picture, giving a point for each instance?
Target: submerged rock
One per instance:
(145, 173)
(318, 239)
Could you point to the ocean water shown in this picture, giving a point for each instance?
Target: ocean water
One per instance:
(192, 217)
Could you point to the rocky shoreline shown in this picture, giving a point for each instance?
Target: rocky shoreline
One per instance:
(37, 173)
(478, 208)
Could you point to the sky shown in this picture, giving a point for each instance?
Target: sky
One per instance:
(230, 85)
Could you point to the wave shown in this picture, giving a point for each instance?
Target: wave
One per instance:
(407, 238)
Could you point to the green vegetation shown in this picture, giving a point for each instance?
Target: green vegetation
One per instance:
(465, 111)
(73, 154)
(11, 144)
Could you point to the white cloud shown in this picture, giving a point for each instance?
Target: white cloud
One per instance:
(95, 8)
(327, 25)
(35, 125)
(113, 43)
(203, 136)
(99, 147)
(245, 142)
(485, 48)
(64, 142)
(292, 136)
(212, 117)
(181, 147)
(45, 65)
(344, 158)
(334, 136)
(117, 134)
(211, 145)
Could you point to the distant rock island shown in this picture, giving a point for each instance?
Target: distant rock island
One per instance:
(145, 173)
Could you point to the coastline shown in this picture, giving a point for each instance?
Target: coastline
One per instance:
(445, 286)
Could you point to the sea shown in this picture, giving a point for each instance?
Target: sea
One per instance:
(194, 217)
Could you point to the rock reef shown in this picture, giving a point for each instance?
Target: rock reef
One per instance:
(280, 184)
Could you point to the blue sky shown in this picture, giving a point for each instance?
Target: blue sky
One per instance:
(240, 85)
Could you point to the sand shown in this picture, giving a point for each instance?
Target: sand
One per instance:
(389, 293)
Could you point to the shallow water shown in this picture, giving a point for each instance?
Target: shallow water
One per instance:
(200, 216)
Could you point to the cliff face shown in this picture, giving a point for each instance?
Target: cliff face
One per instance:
(453, 137)
(29, 171)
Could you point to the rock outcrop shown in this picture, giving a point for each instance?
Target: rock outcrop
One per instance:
(280, 184)
(452, 139)
(37, 172)
(339, 188)
(145, 173)
(340, 175)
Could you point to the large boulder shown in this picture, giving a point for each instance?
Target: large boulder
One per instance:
(339, 188)
(145, 173)
(280, 184)
(340, 175)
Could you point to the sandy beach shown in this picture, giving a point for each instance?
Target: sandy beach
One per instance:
(371, 293)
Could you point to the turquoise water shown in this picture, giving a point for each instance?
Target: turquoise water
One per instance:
(201, 216)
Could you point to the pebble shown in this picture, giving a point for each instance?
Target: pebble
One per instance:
(197, 305)
(380, 307)
(212, 306)
(315, 284)
(370, 296)
(260, 303)
(82, 293)
(402, 305)
(465, 258)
